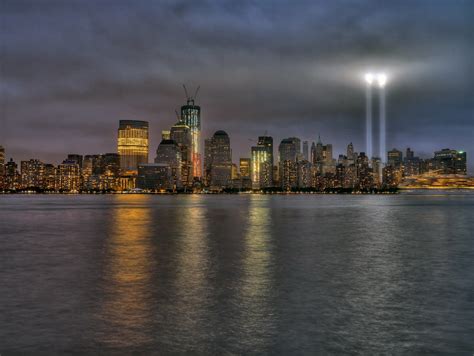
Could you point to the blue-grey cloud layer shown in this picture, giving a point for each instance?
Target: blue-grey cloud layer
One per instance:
(72, 69)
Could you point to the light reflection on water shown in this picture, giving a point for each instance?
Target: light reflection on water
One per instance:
(256, 316)
(237, 274)
(128, 265)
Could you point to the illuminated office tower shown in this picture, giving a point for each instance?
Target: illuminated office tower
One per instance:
(49, 177)
(364, 174)
(449, 161)
(244, 167)
(154, 176)
(288, 150)
(191, 116)
(304, 174)
(207, 161)
(32, 174)
(75, 157)
(68, 177)
(2, 167)
(395, 158)
(219, 161)
(132, 145)
(12, 177)
(165, 134)
(350, 152)
(181, 134)
(305, 150)
(168, 152)
(262, 163)
(2, 161)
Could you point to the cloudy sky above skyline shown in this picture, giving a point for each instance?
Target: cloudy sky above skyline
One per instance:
(71, 69)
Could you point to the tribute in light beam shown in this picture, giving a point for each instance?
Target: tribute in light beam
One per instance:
(369, 79)
(382, 81)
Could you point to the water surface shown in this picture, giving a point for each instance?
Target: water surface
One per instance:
(237, 274)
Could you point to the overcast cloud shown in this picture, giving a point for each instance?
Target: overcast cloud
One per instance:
(71, 69)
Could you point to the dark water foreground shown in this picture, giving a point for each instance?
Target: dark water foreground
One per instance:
(246, 274)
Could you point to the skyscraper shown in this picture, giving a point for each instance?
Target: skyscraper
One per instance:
(154, 176)
(219, 161)
(168, 152)
(449, 161)
(395, 158)
(75, 157)
(288, 150)
(262, 163)
(191, 116)
(181, 134)
(305, 150)
(2, 166)
(244, 167)
(350, 151)
(132, 145)
(2, 157)
(68, 176)
(12, 177)
(32, 174)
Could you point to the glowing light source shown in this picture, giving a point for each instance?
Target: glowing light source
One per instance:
(369, 78)
(382, 79)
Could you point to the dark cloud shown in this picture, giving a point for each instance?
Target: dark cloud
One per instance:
(71, 70)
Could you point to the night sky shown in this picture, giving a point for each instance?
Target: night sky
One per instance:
(71, 70)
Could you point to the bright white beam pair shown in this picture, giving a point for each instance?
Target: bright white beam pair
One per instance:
(380, 78)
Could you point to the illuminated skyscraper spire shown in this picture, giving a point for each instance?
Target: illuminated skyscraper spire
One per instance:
(191, 116)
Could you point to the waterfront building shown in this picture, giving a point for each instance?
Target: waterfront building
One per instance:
(218, 156)
(191, 116)
(350, 176)
(395, 158)
(2, 167)
(305, 151)
(154, 177)
(181, 134)
(168, 152)
(364, 173)
(68, 177)
(322, 158)
(2, 160)
(448, 161)
(392, 176)
(262, 169)
(244, 167)
(245, 171)
(411, 164)
(350, 153)
(49, 176)
(313, 153)
(32, 174)
(288, 150)
(303, 173)
(376, 166)
(75, 157)
(132, 144)
(262, 163)
(12, 177)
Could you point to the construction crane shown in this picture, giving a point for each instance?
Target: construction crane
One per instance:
(191, 98)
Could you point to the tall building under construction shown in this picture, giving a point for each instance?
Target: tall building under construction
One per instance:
(191, 116)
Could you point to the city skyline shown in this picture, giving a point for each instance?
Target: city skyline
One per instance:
(260, 67)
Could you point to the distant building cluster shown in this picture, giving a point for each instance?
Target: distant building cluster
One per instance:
(181, 165)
